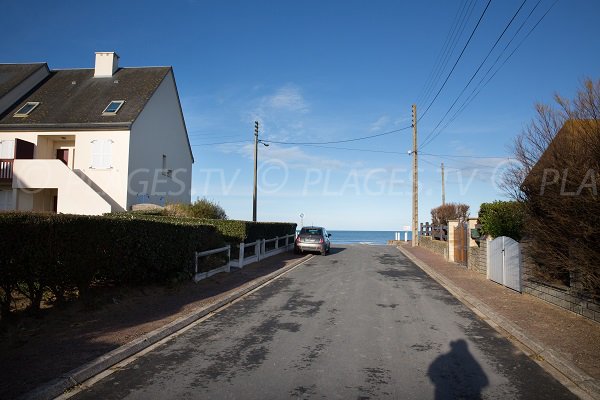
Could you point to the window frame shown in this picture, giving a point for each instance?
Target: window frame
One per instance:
(20, 114)
(107, 113)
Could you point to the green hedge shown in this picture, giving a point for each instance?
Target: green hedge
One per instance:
(502, 218)
(233, 231)
(63, 253)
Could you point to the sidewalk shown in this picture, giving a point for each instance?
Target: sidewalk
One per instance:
(64, 347)
(565, 344)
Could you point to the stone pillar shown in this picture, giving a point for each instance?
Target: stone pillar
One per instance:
(452, 224)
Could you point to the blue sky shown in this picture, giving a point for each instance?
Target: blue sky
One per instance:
(321, 71)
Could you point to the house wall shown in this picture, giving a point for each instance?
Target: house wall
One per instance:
(160, 130)
(110, 183)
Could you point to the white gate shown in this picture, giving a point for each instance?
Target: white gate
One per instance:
(504, 262)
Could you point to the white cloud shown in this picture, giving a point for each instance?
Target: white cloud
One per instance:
(381, 123)
(289, 98)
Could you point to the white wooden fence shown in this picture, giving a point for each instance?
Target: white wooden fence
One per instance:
(260, 253)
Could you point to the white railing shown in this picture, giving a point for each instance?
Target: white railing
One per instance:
(198, 276)
(260, 253)
(260, 250)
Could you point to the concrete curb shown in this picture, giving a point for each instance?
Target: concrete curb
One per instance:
(75, 377)
(578, 382)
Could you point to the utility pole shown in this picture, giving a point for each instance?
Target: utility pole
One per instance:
(415, 197)
(255, 170)
(443, 187)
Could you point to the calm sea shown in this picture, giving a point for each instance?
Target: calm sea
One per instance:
(365, 237)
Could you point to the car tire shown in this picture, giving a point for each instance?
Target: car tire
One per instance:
(323, 252)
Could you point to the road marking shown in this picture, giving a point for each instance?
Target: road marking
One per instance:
(87, 384)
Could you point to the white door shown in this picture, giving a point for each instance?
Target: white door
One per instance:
(494, 264)
(504, 262)
(512, 264)
(6, 200)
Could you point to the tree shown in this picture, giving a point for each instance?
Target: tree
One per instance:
(555, 179)
(449, 211)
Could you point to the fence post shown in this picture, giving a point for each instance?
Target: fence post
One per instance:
(263, 245)
(276, 242)
(241, 256)
(287, 241)
(228, 269)
(196, 262)
(257, 250)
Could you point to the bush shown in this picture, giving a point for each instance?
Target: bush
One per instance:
(202, 208)
(502, 218)
(65, 252)
(450, 211)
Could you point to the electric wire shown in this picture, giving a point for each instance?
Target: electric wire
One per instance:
(340, 141)
(477, 70)
(429, 82)
(457, 60)
(474, 94)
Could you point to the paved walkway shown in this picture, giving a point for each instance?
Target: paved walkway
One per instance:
(558, 339)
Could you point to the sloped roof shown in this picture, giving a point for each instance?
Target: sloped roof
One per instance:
(11, 75)
(569, 146)
(74, 99)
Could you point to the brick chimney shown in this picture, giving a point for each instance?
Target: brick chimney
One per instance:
(107, 62)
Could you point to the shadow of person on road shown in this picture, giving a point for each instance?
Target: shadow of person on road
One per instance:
(456, 374)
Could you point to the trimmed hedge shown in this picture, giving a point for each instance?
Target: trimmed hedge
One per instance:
(502, 218)
(63, 253)
(233, 231)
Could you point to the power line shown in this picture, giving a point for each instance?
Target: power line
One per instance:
(461, 156)
(429, 83)
(216, 143)
(480, 87)
(457, 60)
(476, 71)
(340, 141)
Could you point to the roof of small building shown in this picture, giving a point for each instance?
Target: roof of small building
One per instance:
(74, 99)
(11, 75)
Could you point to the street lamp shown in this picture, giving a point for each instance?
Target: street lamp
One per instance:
(256, 142)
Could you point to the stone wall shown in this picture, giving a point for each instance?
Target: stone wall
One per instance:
(437, 246)
(564, 297)
(477, 258)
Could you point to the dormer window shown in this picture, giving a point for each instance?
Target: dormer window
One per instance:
(26, 109)
(113, 107)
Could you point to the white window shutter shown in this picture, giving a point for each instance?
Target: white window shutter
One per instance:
(101, 153)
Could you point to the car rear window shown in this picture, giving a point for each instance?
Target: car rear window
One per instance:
(311, 231)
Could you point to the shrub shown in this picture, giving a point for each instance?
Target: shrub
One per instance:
(202, 208)
(502, 218)
(63, 252)
(450, 211)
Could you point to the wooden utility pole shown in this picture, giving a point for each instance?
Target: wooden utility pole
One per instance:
(443, 187)
(255, 170)
(415, 197)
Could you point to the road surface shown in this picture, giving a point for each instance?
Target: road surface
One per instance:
(363, 322)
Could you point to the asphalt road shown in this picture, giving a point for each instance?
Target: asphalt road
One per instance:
(362, 322)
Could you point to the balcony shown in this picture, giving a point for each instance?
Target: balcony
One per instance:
(6, 171)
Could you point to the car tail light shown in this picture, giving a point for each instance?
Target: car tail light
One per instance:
(321, 240)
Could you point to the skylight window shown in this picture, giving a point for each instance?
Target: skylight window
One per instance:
(113, 107)
(26, 109)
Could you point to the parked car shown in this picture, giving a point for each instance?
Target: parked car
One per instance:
(313, 238)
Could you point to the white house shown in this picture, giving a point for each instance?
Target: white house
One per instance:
(91, 141)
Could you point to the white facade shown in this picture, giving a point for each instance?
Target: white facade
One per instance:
(160, 158)
(103, 170)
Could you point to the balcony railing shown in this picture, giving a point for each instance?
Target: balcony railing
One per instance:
(6, 170)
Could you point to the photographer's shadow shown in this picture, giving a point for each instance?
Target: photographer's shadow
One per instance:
(456, 374)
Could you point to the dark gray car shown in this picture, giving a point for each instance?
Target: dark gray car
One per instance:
(313, 238)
